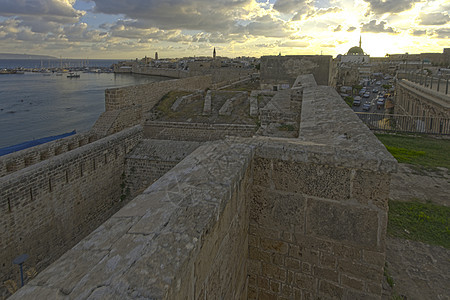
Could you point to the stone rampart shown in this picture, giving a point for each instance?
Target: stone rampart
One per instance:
(254, 218)
(21, 159)
(185, 237)
(46, 208)
(201, 132)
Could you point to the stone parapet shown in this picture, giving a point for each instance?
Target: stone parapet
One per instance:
(16, 161)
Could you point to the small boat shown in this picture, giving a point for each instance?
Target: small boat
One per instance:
(73, 75)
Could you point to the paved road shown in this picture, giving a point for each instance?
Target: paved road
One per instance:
(372, 100)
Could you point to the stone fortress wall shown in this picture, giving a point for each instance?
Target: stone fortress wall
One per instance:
(63, 197)
(247, 218)
(48, 207)
(18, 160)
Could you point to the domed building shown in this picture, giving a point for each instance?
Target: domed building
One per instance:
(355, 55)
(354, 66)
(355, 51)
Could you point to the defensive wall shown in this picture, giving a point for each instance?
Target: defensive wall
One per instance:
(124, 107)
(18, 160)
(246, 218)
(48, 207)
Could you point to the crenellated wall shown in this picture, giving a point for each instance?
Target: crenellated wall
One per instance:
(46, 208)
(18, 160)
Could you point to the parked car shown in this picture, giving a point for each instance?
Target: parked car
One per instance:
(366, 95)
(380, 103)
(366, 106)
(375, 91)
(357, 101)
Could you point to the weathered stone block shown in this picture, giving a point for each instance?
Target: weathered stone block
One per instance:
(356, 225)
(312, 179)
(371, 188)
(330, 290)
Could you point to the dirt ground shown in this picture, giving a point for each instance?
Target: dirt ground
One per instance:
(419, 271)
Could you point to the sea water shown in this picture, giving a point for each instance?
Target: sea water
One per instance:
(33, 106)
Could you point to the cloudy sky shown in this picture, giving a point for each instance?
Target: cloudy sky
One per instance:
(126, 29)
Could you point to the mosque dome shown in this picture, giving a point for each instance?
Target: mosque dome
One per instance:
(355, 51)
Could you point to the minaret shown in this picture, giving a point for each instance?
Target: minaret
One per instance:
(214, 53)
(360, 42)
(156, 55)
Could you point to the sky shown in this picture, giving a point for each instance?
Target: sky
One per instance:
(129, 29)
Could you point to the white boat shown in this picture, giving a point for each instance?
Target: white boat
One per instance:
(73, 75)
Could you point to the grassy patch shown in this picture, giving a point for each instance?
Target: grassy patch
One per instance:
(418, 150)
(286, 127)
(423, 222)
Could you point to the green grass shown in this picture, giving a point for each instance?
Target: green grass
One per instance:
(423, 222)
(286, 127)
(418, 150)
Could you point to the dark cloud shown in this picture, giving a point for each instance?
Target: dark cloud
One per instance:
(379, 7)
(269, 27)
(443, 33)
(205, 15)
(338, 28)
(418, 32)
(372, 26)
(350, 29)
(438, 18)
(57, 11)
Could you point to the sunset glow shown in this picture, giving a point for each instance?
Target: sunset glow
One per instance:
(130, 28)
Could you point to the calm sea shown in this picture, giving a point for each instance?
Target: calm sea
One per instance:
(33, 105)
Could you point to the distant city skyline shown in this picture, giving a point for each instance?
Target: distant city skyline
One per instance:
(128, 29)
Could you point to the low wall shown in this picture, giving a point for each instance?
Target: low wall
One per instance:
(45, 209)
(21, 159)
(195, 131)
